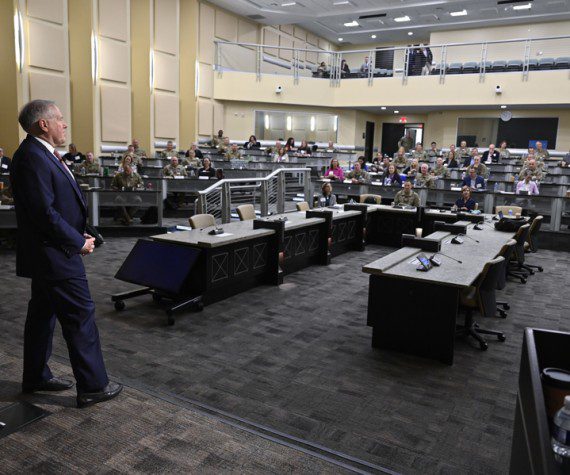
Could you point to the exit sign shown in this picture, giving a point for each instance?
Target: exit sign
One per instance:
(403, 120)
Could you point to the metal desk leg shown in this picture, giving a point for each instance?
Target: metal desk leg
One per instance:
(93, 203)
(489, 203)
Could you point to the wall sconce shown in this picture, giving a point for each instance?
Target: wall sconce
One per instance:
(289, 123)
(313, 123)
(19, 39)
(335, 123)
(266, 120)
(94, 58)
(196, 78)
(151, 71)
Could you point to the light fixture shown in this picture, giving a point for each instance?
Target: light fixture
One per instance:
(288, 4)
(383, 108)
(94, 58)
(313, 123)
(522, 7)
(340, 39)
(151, 70)
(396, 112)
(19, 39)
(459, 13)
(402, 19)
(289, 123)
(335, 123)
(266, 121)
(373, 37)
(410, 33)
(196, 78)
(503, 107)
(351, 24)
(341, 2)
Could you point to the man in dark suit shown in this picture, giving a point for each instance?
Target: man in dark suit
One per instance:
(491, 155)
(51, 216)
(474, 181)
(5, 162)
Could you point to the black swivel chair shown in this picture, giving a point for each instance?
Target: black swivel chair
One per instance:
(531, 241)
(506, 253)
(517, 268)
(481, 297)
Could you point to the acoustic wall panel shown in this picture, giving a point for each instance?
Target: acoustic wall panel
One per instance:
(218, 116)
(205, 117)
(47, 44)
(166, 116)
(226, 26)
(114, 18)
(166, 26)
(114, 60)
(300, 34)
(206, 37)
(49, 10)
(312, 39)
(206, 85)
(53, 87)
(115, 113)
(285, 53)
(247, 32)
(165, 72)
(270, 38)
(287, 29)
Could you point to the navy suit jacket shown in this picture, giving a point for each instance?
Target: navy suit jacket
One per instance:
(478, 181)
(50, 212)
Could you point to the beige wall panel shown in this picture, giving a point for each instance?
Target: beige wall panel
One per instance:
(113, 19)
(46, 46)
(165, 71)
(52, 87)
(166, 116)
(206, 86)
(312, 39)
(115, 114)
(205, 116)
(166, 26)
(247, 32)
(300, 33)
(287, 29)
(114, 60)
(324, 44)
(218, 116)
(284, 53)
(206, 38)
(270, 38)
(311, 57)
(226, 26)
(50, 10)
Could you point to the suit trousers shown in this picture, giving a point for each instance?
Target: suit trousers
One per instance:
(68, 301)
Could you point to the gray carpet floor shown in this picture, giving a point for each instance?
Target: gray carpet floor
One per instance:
(298, 358)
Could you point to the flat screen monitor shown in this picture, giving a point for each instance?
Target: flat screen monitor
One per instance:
(159, 265)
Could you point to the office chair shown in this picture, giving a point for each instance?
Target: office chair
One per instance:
(517, 268)
(530, 244)
(302, 206)
(506, 253)
(370, 198)
(505, 210)
(199, 221)
(246, 212)
(481, 297)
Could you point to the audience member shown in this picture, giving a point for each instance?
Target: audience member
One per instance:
(322, 70)
(334, 172)
(5, 162)
(391, 176)
(224, 146)
(450, 160)
(330, 147)
(139, 152)
(197, 152)
(451, 150)
(541, 153)
(463, 151)
(217, 140)
(419, 152)
(533, 170)
(169, 151)
(407, 142)
(191, 160)
(73, 157)
(412, 170)
(424, 179)
(362, 160)
(440, 170)
(358, 175)
(480, 168)
(527, 185)
(207, 169)
(344, 69)
(492, 155)
(433, 151)
(234, 153)
(174, 169)
(473, 181)
(327, 197)
(304, 148)
(90, 165)
(127, 160)
(364, 67)
(504, 153)
(426, 59)
(465, 203)
(400, 159)
(407, 197)
(290, 145)
(252, 143)
(127, 180)
(468, 161)
(281, 155)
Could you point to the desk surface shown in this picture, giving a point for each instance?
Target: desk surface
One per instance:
(472, 254)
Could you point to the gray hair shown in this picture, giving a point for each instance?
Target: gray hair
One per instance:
(35, 110)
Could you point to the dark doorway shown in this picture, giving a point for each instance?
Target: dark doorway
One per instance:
(369, 141)
(391, 133)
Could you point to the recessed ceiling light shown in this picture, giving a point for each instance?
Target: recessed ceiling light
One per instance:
(459, 13)
(288, 4)
(522, 7)
(341, 2)
(396, 112)
(383, 108)
(373, 37)
(351, 23)
(410, 33)
(402, 19)
(503, 107)
(340, 39)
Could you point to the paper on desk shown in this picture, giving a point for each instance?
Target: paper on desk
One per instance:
(178, 177)
(415, 261)
(203, 178)
(223, 235)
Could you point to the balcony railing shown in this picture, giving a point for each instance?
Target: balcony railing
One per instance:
(522, 56)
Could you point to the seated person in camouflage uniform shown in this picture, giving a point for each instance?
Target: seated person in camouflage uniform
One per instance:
(139, 152)
(234, 153)
(504, 152)
(400, 160)
(440, 170)
(463, 151)
(174, 169)
(169, 150)
(191, 160)
(413, 169)
(217, 140)
(532, 169)
(541, 153)
(130, 151)
(224, 146)
(433, 151)
(419, 153)
(89, 165)
(480, 168)
(407, 196)
(358, 175)
(127, 180)
(424, 178)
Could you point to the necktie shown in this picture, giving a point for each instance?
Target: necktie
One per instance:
(62, 161)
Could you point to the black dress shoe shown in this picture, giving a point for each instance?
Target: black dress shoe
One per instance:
(53, 384)
(108, 392)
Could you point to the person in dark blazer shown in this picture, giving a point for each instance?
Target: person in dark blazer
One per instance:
(5, 162)
(252, 143)
(73, 157)
(473, 181)
(51, 215)
(491, 155)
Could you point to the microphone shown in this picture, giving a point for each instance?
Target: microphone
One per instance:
(469, 237)
(449, 257)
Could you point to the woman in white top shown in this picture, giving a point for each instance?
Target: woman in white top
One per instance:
(281, 155)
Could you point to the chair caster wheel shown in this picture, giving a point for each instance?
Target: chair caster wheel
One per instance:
(157, 298)
(502, 314)
(523, 281)
(501, 337)
(199, 306)
(483, 346)
(119, 305)
(540, 269)
(507, 306)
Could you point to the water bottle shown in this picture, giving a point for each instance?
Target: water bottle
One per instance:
(561, 434)
(496, 187)
(510, 213)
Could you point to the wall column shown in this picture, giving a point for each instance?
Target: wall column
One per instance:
(189, 15)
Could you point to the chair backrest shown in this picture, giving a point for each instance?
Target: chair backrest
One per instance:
(486, 285)
(533, 232)
(246, 212)
(505, 209)
(201, 221)
(506, 252)
(520, 238)
(303, 206)
(370, 198)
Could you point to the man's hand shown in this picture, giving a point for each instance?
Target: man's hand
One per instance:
(88, 246)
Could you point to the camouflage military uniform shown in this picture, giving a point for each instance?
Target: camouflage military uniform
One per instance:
(192, 162)
(122, 180)
(463, 152)
(406, 142)
(441, 171)
(171, 170)
(168, 153)
(361, 176)
(541, 154)
(433, 153)
(425, 180)
(229, 155)
(216, 141)
(137, 161)
(419, 155)
(85, 167)
(537, 173)
(483, 171)
(505, 154)
(223, 149)
(141, 153)
(403, 198)
(400, 161)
